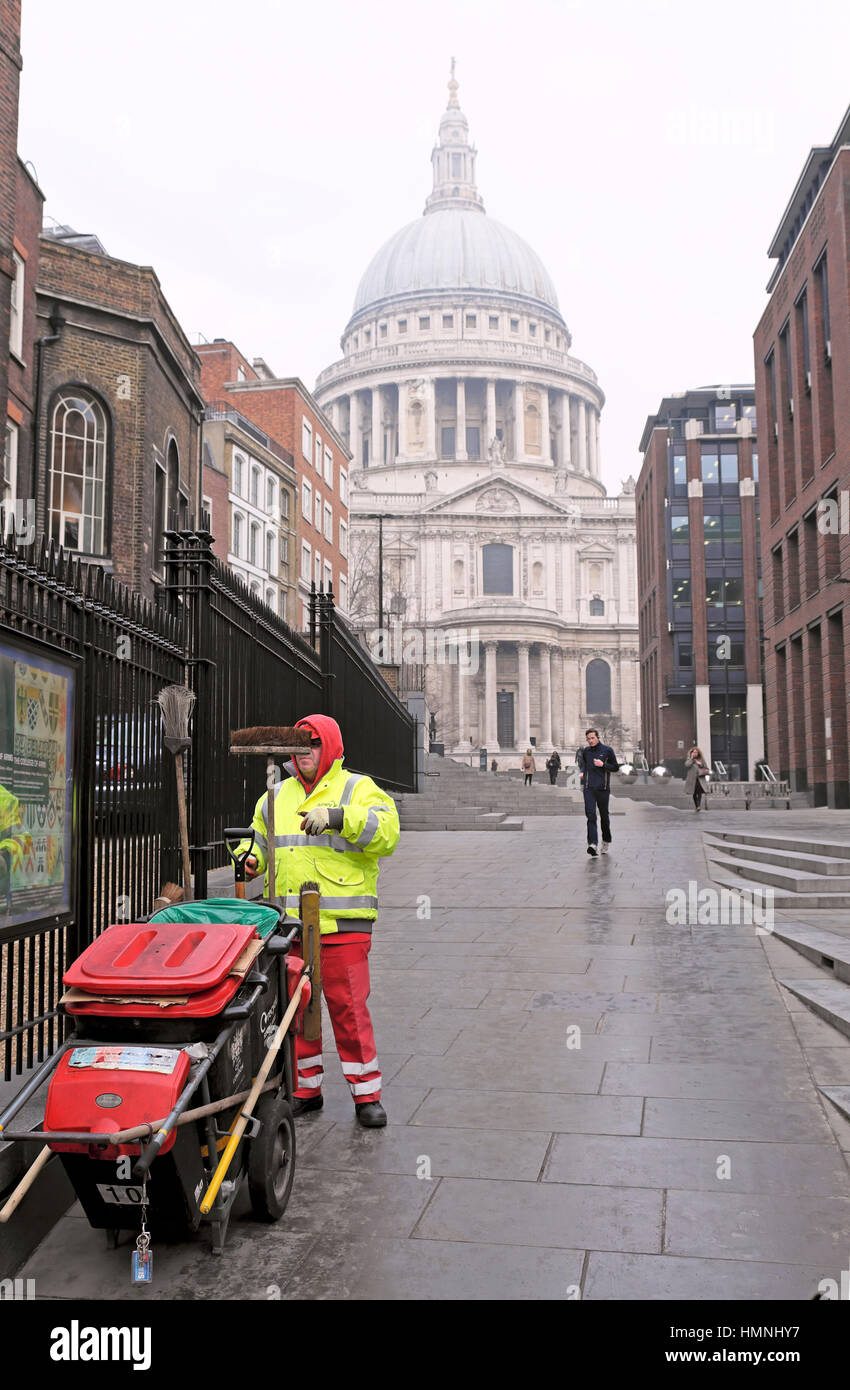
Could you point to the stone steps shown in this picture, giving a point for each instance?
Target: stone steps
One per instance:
(829, 999)
(807, 873)
(824, 948)
(819, 864)
(800, 843)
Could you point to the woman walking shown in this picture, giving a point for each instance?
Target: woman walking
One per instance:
(697, 770)
(528, 767)
(553, 763)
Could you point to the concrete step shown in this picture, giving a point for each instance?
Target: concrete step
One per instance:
(829, 999)
(783, 899)
(820, 864)
(839, 1096)
(507, 823)
(801, 843)
(792, 880)
(825, 948)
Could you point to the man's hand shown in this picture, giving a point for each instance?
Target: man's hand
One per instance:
(315, 821)
(597, 762)
(251, 869)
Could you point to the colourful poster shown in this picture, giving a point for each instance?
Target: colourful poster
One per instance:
(36, 784)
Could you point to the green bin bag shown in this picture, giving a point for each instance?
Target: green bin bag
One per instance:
(265, 919)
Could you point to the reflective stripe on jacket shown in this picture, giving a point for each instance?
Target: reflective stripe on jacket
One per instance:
(344, 864)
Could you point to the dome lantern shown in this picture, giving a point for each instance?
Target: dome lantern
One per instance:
(453, 160)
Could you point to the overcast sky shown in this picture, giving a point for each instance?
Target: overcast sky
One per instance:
(258, 155)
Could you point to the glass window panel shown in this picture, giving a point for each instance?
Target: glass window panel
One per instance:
(680, 472)
(731, 525)
(711, 527)
(724, 416)
(686, 655)
(714, 593)
(755, 465)
(72, 533)
(710, 470)
(681, 592)
(728, 467)
(679, 527)
(497, 564)
(734, 592)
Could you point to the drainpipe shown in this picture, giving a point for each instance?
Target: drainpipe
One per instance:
(57, 323)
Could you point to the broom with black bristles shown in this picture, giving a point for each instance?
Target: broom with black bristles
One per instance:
(275, 741)
(175, 703)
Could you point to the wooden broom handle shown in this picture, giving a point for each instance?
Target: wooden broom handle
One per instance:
(184, 828)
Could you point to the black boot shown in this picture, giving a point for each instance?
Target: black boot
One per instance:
(300, 1107)
(371, 1114)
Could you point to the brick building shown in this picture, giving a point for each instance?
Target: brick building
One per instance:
(118, 411)
(285, 409)
(24, 352)
(699, 581)
(802, 361)
(250, 500)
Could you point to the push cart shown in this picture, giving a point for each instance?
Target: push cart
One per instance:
(150, 1098)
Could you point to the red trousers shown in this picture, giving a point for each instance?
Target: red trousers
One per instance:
(345, 985)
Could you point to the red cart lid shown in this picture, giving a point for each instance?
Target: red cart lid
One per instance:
(159, 958)
(205, 1004)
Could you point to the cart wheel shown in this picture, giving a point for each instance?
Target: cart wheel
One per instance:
(271, 1159)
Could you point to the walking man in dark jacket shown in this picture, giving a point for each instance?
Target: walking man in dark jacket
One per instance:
(596, 763)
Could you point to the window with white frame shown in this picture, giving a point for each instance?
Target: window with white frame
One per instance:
(284, 551)
(282, 602)
(270, 598)
(77, 478)
(317, 567)
(319, 454)
(306, 500)
(240, 374)
(255, 588)
(284, 504)
(343, 486)
(16, 306)
(305, 617)
(329, 577)
(306, 560)
(343, 593)
(206, 506)
(307, 439)
(270, 549)
(238, 533)
(254, 544)
(317, 512)
(255, 487)
(329, 467)
(238, 473)
(329, 523)
(8, 491)
(270, 491)
(343, 540)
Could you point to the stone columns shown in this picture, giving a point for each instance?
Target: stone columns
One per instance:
(461, 704)
(566, 442)
(490, 721)
(376, 453)
(519, 420)
(558, 698)
(460, 422)
(582, 435)
(524, 715)
(355, 440)
(430, 418)
(593, 441)
(546, 448)
(545, 697)
(491, 417)
(403, 403)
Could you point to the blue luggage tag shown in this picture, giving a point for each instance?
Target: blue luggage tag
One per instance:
(141, 1267)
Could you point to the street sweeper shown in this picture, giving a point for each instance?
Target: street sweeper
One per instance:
(331, 826)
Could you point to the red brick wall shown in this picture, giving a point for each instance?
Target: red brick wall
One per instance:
(219, 364)
(810, 456)
(21, 383)
(135, 369)
(10, 67)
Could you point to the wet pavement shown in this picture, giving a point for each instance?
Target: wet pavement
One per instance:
(584, 1100)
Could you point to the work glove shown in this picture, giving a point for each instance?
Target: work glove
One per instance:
(321, 818)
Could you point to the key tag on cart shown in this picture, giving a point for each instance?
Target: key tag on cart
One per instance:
(141, 1260)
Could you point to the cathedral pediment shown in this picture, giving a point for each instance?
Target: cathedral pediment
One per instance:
(499, 495)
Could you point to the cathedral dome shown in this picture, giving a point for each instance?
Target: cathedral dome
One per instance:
(455, 248)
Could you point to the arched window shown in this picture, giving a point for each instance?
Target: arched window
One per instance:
(253, 544)
(77, 489)
(597, 608)
(238, 473)
(498, 569)
(598, 687)
(458, 576)
(537, 577)
(594, 576)
(237, 533)
(255, 487)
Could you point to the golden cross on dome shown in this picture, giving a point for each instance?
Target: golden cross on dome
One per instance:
(453, 86)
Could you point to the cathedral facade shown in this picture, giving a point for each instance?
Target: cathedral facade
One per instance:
(475, 439)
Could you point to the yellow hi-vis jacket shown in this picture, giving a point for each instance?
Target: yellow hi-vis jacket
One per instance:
(345, 865)
(12, 837)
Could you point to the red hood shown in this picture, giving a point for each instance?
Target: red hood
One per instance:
(328, 731)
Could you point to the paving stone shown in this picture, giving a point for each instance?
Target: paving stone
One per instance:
(458, 1271)
(585, 1001)
(670, 1278)
(830, 1065)
(746, 1226)
(355, 1204)
(558, 1069)
(519, 1110)
(459, 1153)
(710, 1080)
(792, 1122)
(816, 1032)
(544, 1215)
(694, 1164)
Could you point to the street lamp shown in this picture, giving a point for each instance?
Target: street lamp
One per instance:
(665, 704)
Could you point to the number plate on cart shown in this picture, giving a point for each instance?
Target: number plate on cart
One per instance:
(120, 1196)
